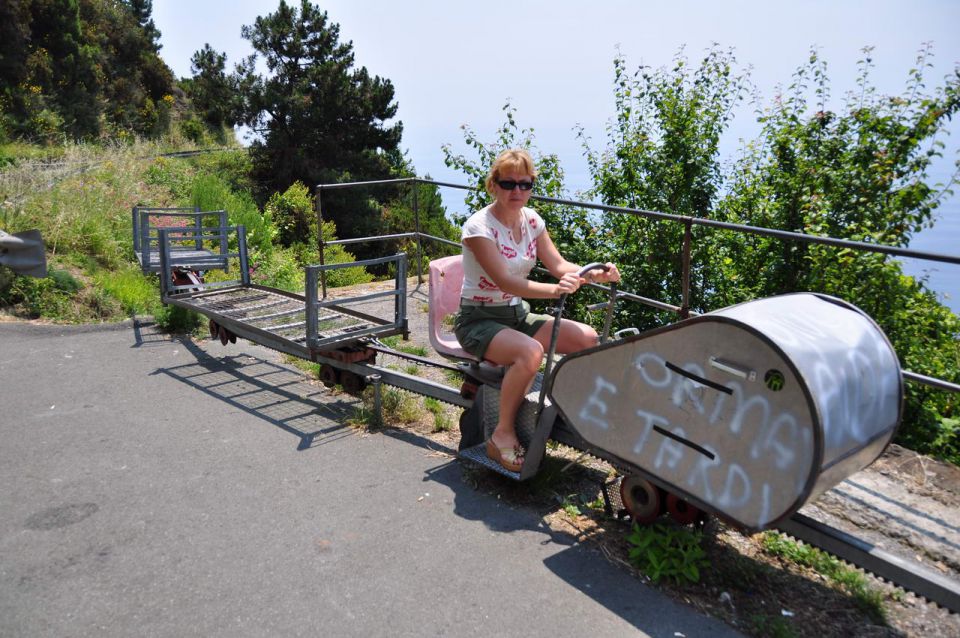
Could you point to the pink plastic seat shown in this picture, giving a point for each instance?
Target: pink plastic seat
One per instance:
(446, 280)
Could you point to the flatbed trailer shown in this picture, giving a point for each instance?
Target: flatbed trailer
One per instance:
(336, 333)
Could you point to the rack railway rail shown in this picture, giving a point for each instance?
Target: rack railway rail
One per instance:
(343, 336)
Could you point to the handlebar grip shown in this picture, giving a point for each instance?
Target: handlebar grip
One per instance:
(594, 266)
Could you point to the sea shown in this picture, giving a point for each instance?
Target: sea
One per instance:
(942, 238)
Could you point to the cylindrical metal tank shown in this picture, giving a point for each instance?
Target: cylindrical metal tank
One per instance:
(750, 411)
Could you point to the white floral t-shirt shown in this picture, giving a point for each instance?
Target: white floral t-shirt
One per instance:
(519, 253)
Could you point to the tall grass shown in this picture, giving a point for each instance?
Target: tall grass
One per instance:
(81, 197)
(212, 192)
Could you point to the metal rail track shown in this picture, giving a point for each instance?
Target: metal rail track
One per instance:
(913, 577)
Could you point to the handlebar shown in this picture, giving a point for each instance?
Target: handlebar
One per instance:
(592, 266)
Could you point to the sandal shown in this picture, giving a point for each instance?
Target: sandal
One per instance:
(509, 458)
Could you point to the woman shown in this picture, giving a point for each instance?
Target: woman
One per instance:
(501, 244)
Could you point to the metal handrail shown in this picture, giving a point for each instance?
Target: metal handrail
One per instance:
(683, 310)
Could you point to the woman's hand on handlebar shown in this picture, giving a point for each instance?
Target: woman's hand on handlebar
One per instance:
(600, 273)
(569, 283)
(610, 274)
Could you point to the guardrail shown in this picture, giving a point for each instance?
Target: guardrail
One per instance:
(682, 310)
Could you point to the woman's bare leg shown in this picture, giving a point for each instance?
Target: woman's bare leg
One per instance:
(523, 354)
(574, 336)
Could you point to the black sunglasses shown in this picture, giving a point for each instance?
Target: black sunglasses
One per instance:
(509, 185)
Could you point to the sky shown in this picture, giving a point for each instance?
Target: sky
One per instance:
(458, 63)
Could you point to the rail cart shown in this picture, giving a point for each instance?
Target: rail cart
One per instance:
(747, 413)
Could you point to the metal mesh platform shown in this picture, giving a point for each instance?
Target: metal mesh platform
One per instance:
(478, 454)
(273, 312)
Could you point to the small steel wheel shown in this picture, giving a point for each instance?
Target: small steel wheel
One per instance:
(681, 511)
(352, 383)
(214, 329)
(224, 335)
(641, 498)
(329, 376)
(232, 337)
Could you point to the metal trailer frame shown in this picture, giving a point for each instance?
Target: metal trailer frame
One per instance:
(309, 326)
(146, 235)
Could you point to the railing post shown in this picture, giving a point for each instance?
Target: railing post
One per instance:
(242, 251)
(375, 379)
(198, 229)
(310, 290)
(320, 242)
(416, 222)
(400, 308)
(687, 238)
(136, 230)
(164, 257)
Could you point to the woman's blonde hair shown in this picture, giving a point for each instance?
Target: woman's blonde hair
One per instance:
(513, 159)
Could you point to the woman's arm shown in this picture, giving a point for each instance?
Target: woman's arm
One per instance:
(558, 266)
(555, 262)
(490, 259)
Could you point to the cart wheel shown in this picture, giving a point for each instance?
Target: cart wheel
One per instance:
(682, 511)
(641, 498)
(329, 376)
(233, 337)
(224, 337)
(352, 382)
(214, 329)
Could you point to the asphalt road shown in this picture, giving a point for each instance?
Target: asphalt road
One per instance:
(153, 487)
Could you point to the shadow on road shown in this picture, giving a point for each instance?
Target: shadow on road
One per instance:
(266, 390)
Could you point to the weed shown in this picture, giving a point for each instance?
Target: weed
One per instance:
(596, 504)
(441, 420)
(51, 297)
(663, 550)
(363, 417)
(413, 349)
(452, 377)
(869, 599)
(396, 342)
(397, 405)
(412, 369)
(772, 626)
(570, 506)
(135, 293)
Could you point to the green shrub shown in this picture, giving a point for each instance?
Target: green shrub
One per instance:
(667, 551)
(211, 192)
(176, 319)
(51, 297)
(294, 215)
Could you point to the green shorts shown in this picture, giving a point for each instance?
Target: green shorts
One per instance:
(476, 326)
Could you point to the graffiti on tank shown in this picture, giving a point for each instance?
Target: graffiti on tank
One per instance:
(853, 381)
(746, 421)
